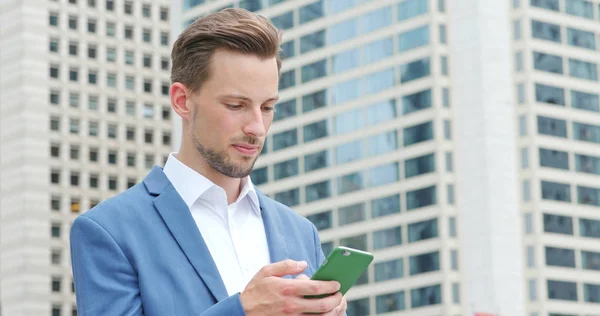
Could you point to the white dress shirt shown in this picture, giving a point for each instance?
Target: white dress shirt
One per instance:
(234, 234)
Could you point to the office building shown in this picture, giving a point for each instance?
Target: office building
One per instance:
(84, 115)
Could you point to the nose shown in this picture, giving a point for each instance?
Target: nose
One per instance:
(255, 124)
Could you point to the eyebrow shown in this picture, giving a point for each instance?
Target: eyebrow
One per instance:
(244, 98)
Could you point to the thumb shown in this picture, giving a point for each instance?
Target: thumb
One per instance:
(282, 268)
(302, 277)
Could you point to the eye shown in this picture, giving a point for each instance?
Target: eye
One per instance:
(268, 109)
(234, 106)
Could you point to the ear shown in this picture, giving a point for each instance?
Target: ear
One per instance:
(180, 94)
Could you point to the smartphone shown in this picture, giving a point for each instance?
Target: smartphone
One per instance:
(344, 265)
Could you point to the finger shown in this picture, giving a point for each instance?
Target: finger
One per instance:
(299, 287)
(302, 277)
(282, 268)
(326, 306)
(343, 307)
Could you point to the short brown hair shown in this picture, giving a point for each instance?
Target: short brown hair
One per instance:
(238, 30)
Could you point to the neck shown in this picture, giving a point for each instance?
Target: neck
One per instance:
(193, 160)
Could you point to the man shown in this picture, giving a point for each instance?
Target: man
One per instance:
(196, 238)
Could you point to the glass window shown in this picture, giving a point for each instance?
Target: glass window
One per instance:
(318, 191)
(383, 143)
(385, 206)
(548, 63)
(562, 290)
(447, 130)
(452, 226)
(587, 164)
(446, 97)
(519, 61)
(586, 132)
(350, 182)
(284, 110)
(53, 19)
(251, 5)
(549, 94)
(455, 293)
(585, 101)
(522, 125)
(285, 139)
(316, 130)
(346, 91)
(288, 50)
(343, 31)
(358, 307)
(287, 80)
(588, 196)
(450, 192)
(349, 152)
(422, 230)
(377, 50)
(442, 31)
(546, 4)
(454, 260)
(259, 176)
(285, 169)
(418, 133)
(556, 191)
(289, 197)
(554, 159)
(414, 38)
(532, 290)
(416, 101)
(351, 214)
(376, 20)
(411, 8)
(560, 257)
(551, 126)
(517, 29)
(311, 11)
(314, 71)
(390, 302)
(349, 121)
(419, 165)
(54, 45)
(589, 228)
(389, 270)
(582, 69)
(284, 21)
(414, 70)
(386, 238)
(313, 101)
(381, 112)
(425, 296)
(345, 61)
(590, 260)
(521, 93)
(379, 81)
(582, 8)
(72, 22)
(528, 223)
(591, 293)
(449, 161)
(316, 161)
(581, 38)
(357, 242)
(383, 174)
(424, 263)
(420, 198)
(321, 220)
(558, 224)
(312, 41)
(110, 29)
(545, 31)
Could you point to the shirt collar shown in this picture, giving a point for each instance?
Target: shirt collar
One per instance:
(191, 185)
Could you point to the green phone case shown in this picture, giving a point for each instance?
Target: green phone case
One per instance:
(344, 265)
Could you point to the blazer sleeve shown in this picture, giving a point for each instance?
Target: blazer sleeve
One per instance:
(105, 281)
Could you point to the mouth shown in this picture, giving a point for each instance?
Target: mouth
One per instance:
(247, 150)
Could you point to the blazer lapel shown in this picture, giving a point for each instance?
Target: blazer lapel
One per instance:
(180, 222)
(278, 249)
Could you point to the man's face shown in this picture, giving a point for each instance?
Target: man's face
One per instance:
(233, 111)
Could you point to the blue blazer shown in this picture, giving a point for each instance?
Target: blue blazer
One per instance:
(141, 253)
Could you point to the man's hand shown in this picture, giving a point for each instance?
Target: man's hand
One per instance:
(339, 310)
(269, 294)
